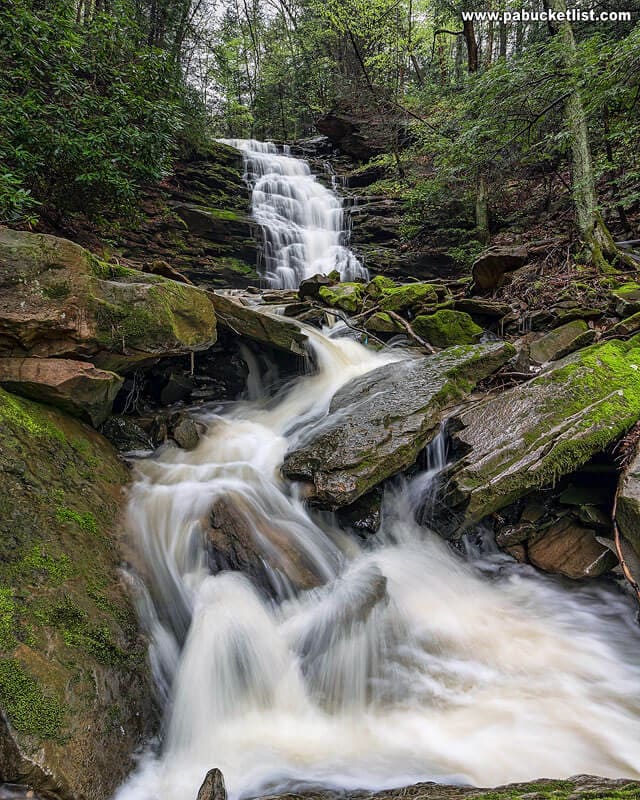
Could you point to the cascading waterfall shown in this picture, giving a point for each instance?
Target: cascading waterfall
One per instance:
(302, 222)
(397, 661)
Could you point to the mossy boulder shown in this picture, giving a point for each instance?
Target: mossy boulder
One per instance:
(378, 424)
(382, 322)
(377, 286)
(626, 299)
(533, 434)
(410, 297)
(446, 328)
(57, 299)
(346, 296)
(626, 327)
(75, 700)
(561, 341)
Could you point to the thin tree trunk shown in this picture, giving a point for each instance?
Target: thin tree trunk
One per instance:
(503, 39)
(482, 208)
(472, 45)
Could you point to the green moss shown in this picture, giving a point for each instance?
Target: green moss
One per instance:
(225, 214)
(28, 416)
(347, 296)
(58, 569)
(7, 619)
(377, 286)
(29, 710)
(447, 327)
(85, 521)
(410, 296)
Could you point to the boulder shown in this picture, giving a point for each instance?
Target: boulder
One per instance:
(482, 307)
(185, 432)
(378, 423)
(571, 550)
(626, 299)
(410, 297)
(310, 287)
(57, 299)
(491, 266)
(213, 786)
(628, 507)
(382, 322)
(626, 327)
(531, 435)
(125, 434)
(241, 537)
(246, 317)
(75, 694)
(561, 341)
(447, 327)
(74, 386)
(346, 296)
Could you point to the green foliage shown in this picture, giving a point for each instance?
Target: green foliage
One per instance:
(89, 110)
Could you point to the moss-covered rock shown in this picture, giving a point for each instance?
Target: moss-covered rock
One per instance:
(382, 322)
(626, 327)
(378, 423)
(580, 787)
(74, 693)
(531, 435)
(561, 341)
(346, 296)
(446, 328)
(626, 299)
(411, 296)
(57, 299)
(377, 286)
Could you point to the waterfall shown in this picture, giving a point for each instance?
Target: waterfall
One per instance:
(348, 664)
(302, 222)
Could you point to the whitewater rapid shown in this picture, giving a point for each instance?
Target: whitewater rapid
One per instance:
(343, 662)
(408, 663)
(302, 223)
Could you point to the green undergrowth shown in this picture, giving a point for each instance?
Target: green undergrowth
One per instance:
(31, 709)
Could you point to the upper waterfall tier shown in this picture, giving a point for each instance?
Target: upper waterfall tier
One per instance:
(302, 222)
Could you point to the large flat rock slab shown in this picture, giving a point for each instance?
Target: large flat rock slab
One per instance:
(73, 386)
(378, 424)
(531, 435)
(260, 322)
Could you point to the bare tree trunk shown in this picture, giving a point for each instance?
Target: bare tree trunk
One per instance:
(472, 45)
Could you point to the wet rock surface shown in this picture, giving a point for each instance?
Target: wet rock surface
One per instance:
(75, 695)
(259, 322)
(378, 423)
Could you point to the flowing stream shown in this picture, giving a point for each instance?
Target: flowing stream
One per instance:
(352, 664)
(303, 224)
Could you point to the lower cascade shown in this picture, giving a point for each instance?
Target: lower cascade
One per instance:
(302, 221)
(348, 665)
